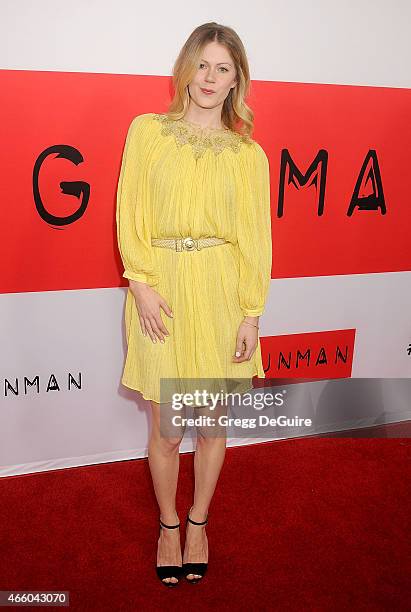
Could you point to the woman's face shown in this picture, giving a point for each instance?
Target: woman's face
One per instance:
(216, 72)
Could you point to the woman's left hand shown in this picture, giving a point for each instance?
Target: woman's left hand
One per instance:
(247, 340)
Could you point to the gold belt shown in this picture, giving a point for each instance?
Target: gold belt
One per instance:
(187, 244)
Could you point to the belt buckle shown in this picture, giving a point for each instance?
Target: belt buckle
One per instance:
(189, 244)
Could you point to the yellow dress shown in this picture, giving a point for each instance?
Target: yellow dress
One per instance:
(178, 179)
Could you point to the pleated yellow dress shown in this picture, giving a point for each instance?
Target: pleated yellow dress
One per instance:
(178, 179)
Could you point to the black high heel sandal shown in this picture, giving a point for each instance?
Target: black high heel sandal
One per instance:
(169, 571)
(194, 568)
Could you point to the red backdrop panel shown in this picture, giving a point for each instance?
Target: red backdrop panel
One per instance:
(330, 147)
(313, 355)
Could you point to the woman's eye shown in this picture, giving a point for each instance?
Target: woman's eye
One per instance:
(222, 67)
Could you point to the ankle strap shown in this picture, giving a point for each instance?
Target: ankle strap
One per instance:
(169, 526)
(195, 522)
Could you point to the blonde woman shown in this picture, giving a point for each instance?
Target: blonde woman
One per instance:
(194, 234)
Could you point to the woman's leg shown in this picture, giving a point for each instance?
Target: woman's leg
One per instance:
(163, 459)
(208, 461)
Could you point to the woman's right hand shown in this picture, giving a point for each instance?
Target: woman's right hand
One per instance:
(148, 303)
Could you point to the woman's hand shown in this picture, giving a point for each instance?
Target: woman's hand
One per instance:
(247, 341)
(148, 303)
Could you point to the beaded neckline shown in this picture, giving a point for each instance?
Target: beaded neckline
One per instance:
(200, 138)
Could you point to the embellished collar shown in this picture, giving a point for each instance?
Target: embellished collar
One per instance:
(200, 138)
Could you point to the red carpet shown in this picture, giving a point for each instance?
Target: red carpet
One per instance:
(303, 524)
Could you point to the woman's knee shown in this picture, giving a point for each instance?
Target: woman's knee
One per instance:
(166, 436)
(167, 444)
(170, 443)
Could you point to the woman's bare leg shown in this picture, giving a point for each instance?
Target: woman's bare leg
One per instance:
(208, 461)
(163, 459)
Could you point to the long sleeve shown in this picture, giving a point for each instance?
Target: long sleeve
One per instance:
(253, 226)
(133, 231)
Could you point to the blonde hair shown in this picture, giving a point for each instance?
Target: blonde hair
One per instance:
(234, 109)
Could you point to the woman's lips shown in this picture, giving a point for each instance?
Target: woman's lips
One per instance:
(208, 92)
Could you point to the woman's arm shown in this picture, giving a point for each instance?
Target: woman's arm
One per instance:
(133, 231)
(253, 226)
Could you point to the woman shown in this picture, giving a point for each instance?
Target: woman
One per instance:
(194, 233)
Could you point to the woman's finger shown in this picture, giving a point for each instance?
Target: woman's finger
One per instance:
(161, 327)
(248, 349)
(239, 348)
(142, 325)
(246, 353)
(156, 329)
(149, 330)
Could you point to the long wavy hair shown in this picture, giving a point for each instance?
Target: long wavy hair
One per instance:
(235, 115)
